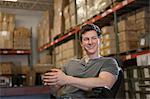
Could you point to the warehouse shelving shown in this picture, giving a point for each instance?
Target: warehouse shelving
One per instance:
(134, 55)
(92, 20)
(102, 19)
(129, 57)
(14, 52)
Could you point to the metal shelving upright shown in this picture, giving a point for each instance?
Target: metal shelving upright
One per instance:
(102, 19)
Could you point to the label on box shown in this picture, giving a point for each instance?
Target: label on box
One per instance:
(142, 42)
(143, 60)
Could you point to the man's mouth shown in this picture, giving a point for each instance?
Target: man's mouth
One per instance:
(90, 47)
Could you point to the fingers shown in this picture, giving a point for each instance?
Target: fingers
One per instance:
(55, 70)
(53, 77)
(50, 83)
(50, 78)
(50, 74)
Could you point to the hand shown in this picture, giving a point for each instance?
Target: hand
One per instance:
(55, 77)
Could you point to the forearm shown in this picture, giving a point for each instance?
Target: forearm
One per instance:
(86, 83)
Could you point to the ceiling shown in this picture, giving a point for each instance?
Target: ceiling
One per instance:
(40, 5)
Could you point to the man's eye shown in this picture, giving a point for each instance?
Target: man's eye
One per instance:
(85, 39)
(94, 38)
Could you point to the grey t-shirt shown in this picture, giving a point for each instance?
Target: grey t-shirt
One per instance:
(79, 68)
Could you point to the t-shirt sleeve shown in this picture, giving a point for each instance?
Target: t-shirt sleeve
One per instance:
(65, 66)
(110, 65)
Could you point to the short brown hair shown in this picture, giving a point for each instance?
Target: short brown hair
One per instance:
(89, 27)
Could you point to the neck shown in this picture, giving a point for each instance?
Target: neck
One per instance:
(93, 56)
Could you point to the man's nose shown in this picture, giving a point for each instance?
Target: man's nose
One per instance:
(90, 41)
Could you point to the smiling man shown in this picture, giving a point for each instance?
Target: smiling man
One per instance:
(81, 75)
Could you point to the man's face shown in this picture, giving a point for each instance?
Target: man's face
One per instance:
(90, 42)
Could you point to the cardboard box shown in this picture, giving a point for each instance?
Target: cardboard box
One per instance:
(102, 5)
(5, 17)
(66, 12)
(128, 46)
(4, 26)
(142, 13)
(31, 77)
(126, 25)
(65, 51)
(11, 27)
(107, 51)
(45, 59)
(2, 40)
(107, 47)
(132, 16)
(81, 14)
(22, 37)
(67, 24)
(108, 43)
(80, 3)
(8, 44)
(42, 68)
(1, 16)
(143, 23)
(58, 19)
(106, 37)
(107, 30)
(72, 7)
(6, 68)
(128, 36)
(73, 20)
(0, 26)
(11, 18)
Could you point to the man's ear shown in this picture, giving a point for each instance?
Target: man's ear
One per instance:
(81, 43)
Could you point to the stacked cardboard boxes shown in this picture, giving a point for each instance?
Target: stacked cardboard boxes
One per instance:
(6, 68)
(142, 25)
(67, 18)
(133, 27)
(7, 25)
(65, 52)
(58, 18)
(22, 37)
(142, 20)
(69, 14)
(81, 11)
(72, 7)
(45, 58)
(128, 36)
(108, 44)
(95, 7)
(43, 30)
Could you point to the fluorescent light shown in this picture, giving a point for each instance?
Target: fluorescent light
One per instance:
(10, 0)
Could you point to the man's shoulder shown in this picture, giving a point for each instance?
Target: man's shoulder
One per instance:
(107, 58)
(73, 60)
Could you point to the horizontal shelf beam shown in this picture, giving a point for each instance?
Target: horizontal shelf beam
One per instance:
(13, 51)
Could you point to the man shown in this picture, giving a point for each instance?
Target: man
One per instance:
(80, 76)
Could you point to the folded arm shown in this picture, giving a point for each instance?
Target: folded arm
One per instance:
(59, 78)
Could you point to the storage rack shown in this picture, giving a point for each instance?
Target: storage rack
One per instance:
(103, 19)
(17, 52)
(128, 58)
(14, 52)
